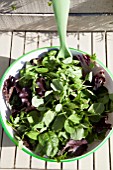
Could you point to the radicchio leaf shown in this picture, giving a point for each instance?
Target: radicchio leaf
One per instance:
(41, 86)
(98, 80)
(9, 85)
(75, 147)
(25, 96)
(102, 125)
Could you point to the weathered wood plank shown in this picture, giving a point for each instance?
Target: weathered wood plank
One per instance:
(39, 40)
(17, 45)
(41, 6)
(7, 153)
(102, 154)
(102, 157)
(99, 46)
(31, 41)
(46, 22)
(109, 38)
(70, 165)
(8, 149)
(5, 44)
(44, 40)
(85, 44)
(53, 165)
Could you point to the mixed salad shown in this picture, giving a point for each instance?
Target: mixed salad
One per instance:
(58, 107)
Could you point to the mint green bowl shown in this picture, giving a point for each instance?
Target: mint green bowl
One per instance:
(14, 70)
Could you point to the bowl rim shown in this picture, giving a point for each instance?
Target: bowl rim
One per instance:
(24, 148)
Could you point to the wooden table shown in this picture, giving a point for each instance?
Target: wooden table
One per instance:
(15, 44)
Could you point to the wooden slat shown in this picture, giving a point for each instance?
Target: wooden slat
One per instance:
(7, 153)
(84, 44)
(44, 40)
(53, 165)
(109, 39)
(5, 44)
(72, 40)
(17, 45)
(99, 46)
(31, 43)
(46, 22)
(8, 148)
(102, 157)
(41, 6)
(102, 154)
(70, 165)
(21, 159)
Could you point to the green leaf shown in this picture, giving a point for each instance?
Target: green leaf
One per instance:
(48, 117)
(104, 99)
(89, 76)
(68, 60)
(50, 141)
(75, 118)
(38, 126)
(96, 108)
(58, 123)
(33, 117)
(20, 144)
(68, 128)
(33, 135)
(56, 85)
(42, 70)
(37, 102)
(48, 93)
(78, 134)
(58, 107)
(111, 96)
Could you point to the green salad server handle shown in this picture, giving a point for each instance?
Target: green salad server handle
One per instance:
(61, 11)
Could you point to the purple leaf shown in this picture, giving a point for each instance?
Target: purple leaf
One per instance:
(9, 85)
(102, 125)
(41, 86)
(75, 147)
(98, 80)
(25, 96)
